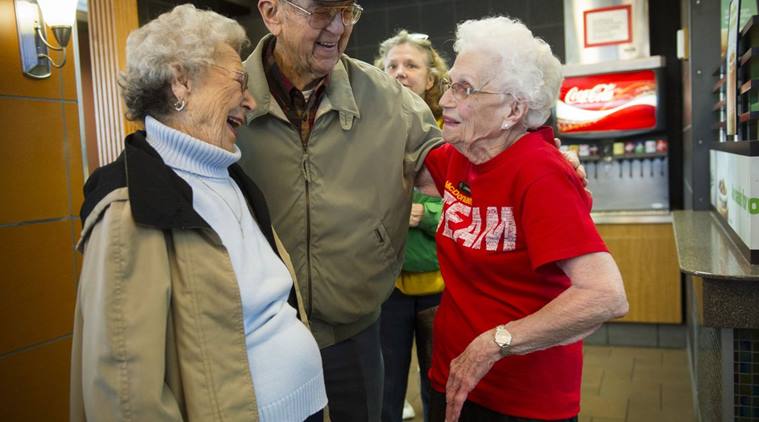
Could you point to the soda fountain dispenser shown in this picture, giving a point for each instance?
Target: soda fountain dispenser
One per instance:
(612, 115)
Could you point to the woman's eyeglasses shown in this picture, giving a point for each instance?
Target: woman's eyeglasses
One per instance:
(321, 17)
(240, 76)
(462, 91)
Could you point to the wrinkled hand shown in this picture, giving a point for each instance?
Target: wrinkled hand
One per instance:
(574, 161)
(467, 370)
(417, 212)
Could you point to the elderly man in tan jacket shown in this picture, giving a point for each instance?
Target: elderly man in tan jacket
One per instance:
(335, 145)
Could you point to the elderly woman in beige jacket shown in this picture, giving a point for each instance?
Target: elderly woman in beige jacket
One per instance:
(183, 305)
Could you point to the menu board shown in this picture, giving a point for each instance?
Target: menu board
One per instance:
(611, 102)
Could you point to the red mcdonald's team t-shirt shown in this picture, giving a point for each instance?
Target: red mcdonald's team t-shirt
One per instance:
(505, 223)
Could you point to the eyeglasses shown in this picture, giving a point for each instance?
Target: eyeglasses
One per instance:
(240, 76)
(321, 17)
(461, 91)
(417, 36)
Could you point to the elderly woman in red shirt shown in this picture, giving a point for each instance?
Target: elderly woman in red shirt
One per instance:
(527, 275)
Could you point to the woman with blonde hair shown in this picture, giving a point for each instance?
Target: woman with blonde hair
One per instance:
(411, 59)
(408, 313)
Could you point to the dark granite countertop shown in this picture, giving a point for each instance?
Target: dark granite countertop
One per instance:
(705, 250)
(729, 295)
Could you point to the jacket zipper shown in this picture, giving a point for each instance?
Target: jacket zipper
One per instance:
(307, 177)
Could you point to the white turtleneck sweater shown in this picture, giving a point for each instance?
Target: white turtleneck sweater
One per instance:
(283, 357)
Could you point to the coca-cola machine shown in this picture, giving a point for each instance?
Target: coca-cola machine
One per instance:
(612, 115)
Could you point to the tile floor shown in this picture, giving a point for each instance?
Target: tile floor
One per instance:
(622, 384)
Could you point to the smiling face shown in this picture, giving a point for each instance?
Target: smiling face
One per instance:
(479, 116)
(408, 64)
(303, 53)
(216, 102)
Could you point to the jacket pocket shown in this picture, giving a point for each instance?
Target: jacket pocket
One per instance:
(384, 245)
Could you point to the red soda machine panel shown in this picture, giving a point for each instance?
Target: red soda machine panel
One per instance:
(622, 103)
(614, 120)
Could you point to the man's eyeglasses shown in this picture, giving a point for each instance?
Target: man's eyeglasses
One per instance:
(321, 17)
(240, 76)
(462, 91)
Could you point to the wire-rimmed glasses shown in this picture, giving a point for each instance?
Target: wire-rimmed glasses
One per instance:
(240, 76)
(320, 17)
(462, 91)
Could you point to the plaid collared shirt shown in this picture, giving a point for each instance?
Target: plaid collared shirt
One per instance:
(300, 111)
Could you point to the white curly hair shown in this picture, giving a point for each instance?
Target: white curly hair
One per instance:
(524, 64)
(185, 36)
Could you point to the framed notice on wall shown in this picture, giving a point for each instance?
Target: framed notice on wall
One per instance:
(608, 26)
(731, 68)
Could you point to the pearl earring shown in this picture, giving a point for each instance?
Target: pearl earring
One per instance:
(505, 126)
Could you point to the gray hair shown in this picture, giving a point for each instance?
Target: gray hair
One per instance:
(525, 66)
(185, 36)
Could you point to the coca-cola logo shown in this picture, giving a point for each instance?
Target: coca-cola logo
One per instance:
(601, 93)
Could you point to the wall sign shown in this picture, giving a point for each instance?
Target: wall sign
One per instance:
(608, 26)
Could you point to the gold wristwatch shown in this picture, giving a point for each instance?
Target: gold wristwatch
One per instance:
(502, 338)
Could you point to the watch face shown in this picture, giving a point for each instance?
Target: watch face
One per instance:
(502, 336)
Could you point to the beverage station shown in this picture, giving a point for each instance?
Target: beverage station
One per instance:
(612, 111)
(614, 121)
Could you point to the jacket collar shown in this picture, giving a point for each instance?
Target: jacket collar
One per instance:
(338, 96)
(158, 197)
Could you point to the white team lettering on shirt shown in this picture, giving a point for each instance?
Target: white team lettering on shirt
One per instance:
(499, 225)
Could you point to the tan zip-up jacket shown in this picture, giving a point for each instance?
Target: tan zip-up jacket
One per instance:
(341, 203)
(158, 330)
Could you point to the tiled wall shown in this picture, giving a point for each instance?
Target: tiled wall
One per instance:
(438, 19)
(41, 180)
(746, 375)
(706, 356)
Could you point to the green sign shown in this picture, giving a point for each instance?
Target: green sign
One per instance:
(747, 203)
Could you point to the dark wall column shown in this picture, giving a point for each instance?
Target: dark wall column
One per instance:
(701, 18)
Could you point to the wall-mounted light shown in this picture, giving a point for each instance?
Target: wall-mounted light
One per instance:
(60, 16)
